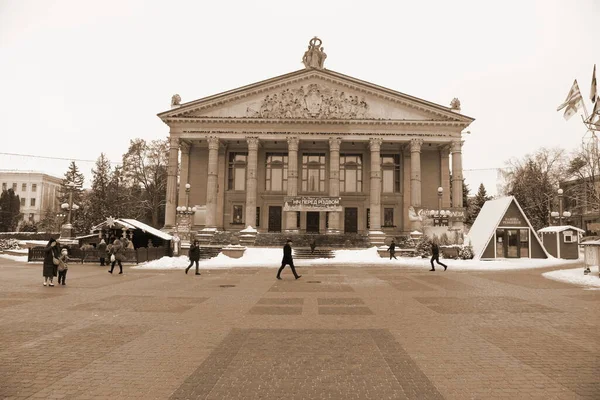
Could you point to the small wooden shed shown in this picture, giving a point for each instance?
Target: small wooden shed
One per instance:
(562, 241)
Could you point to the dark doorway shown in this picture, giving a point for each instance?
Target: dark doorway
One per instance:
(312, 221)
(275, 219)
(350, 220)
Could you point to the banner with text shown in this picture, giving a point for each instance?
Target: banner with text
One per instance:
(312, 203)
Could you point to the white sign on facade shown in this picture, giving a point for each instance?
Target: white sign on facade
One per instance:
(312, 203)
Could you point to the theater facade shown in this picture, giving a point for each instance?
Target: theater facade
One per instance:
(314, 151)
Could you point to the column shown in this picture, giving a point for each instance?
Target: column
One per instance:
(375, 183)
(334, 181)
(171, 206)
(457, 174)
(184, 171)
(211, 185)
(445, 175)
(415, 172)
(292, 183)
(251, 183)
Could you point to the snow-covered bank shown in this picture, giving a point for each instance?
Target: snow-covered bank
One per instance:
(575, 276)
(271, 258)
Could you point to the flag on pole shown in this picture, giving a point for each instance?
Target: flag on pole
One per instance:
(593, 90)
(573, 101)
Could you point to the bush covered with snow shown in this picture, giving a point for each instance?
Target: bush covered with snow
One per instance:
(424, 247)
(9, 244)
(466, 253)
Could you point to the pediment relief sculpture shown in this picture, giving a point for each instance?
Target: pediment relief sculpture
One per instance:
(313, 101)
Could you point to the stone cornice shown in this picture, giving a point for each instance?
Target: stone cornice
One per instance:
(327, 76)
(195, 134)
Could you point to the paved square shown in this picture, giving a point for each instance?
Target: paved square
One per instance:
(336, 333)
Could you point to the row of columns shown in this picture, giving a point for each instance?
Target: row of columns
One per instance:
(292, 187)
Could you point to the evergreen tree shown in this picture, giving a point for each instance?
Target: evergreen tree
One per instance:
(100, 202)
(49, 222)
(10, 211)
(477, 203)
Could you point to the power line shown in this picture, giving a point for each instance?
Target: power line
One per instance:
(55, 158)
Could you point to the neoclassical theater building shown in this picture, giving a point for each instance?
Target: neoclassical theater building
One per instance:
(314, 151)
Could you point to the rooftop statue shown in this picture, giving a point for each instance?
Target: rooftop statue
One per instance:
(455, 104)
(315, 56)
(176, 100)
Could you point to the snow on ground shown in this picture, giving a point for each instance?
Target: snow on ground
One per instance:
(271, 257)
(14, 258)
(575, 276)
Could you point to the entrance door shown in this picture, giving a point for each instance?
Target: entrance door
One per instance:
(312, 221)
(274, 218)
(350, 220)
(512, 243)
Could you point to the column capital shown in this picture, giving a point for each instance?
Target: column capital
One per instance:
(456, 146)
(184, 146)
(415, 145)
(173, 142)
(375, 144)
(334, 143)
(293, 143)
(213, 142)
(253, 143)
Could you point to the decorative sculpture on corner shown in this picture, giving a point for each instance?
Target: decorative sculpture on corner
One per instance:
(175, 100)
(315, 56)
(455, 104)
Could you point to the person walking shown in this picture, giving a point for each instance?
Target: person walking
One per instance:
(194, 256)
(313, 245)
(63, 266)
(435, 256)
(116, 256)
(52, 252)
(392, 250)
(101, 251)
(287, 260)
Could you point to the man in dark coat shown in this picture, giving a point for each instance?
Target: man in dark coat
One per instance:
(118, 251)
(392, 250)
(52, 252)
(287, 260)
(194, 256)
(435, 255)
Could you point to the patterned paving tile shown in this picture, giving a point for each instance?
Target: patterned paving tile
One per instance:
(9, 303)
(305, 286)
(535, 347)
(444, 283)
(333, 301)
(143, 304)
(344, 310)
(482, 305)
(327, 272)
(275, 310)
(281, 301)
(532, 281)
(47, 293)
(310, 363)
(17, 334)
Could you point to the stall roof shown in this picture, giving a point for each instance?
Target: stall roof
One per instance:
(147, 228)
(135, 224)
(560, 228)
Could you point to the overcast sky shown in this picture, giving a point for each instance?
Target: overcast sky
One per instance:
(78, 78)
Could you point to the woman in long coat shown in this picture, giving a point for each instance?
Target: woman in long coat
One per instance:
(50, 270)
(117, 251)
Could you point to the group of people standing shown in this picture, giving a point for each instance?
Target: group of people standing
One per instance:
(114, 251)
(56, 262)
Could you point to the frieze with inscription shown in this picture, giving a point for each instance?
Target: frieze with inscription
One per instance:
(313, 101)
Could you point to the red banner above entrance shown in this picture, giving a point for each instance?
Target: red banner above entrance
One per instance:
(312, 203)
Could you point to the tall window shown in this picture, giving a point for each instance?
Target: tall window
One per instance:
(350, 173)
(23, 201)
(24, 187)
(276, 172)
(388, 217)
(3, 186)
(390, 171)
(33, 187)
(31, 216)
(14, 187)
(33, 202)
(313, 172)
(236, 177)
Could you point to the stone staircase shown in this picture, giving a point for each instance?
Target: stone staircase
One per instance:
(339, 241)
(303, 253)
(209, 252)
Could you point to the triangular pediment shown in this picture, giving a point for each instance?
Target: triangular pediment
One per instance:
(314, 95)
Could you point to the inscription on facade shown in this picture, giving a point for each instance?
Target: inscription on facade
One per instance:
(310, 203)
(313, 101)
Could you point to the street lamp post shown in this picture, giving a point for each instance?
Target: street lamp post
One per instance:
(560, 214)
(67, 229)
(185, 215)
(60, 217)
(440, 191)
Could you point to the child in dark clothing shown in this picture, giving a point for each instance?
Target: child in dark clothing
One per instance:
(63, 266)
